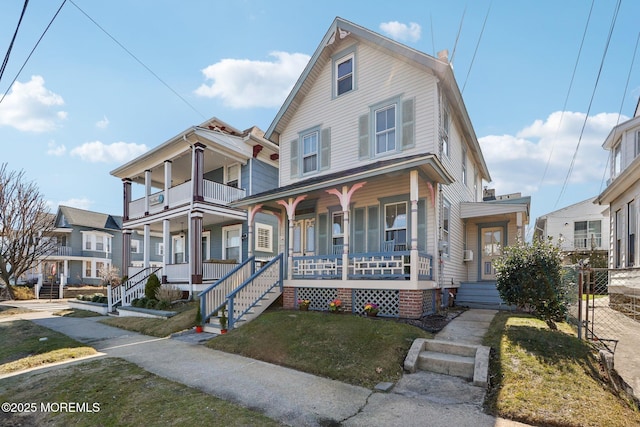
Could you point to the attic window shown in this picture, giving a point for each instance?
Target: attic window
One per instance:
(344, 74)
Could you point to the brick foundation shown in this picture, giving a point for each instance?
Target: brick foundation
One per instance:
(289, 298)
(345, 295)
(411, 304)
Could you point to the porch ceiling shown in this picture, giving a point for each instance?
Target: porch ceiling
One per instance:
(485, 209)
(428, 164)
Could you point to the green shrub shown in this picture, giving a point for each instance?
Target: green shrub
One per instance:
(80, 297)
(134, 302)
(103, 300)
(142, 302)
(152, 286)
(163, 305)
(151, 304)
(529, 276)
(95, 298)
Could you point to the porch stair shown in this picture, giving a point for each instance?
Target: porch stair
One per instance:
(480, 295)
(470, 362)
(49, 291)
(245, 293)
(258, 308)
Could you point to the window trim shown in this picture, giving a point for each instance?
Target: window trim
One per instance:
(338, 59)
(616, 159)
(227, 179)
(446, 231)
(464, 165)
(386, 131)
(226, 229)
(303, 156)
(385, 229)
(446, 129)
(135, 246)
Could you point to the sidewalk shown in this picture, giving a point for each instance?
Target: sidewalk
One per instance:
(293, 397)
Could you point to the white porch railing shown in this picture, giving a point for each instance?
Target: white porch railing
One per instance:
(377, 265)
(177, 272)
(215, 271)
(215, 296)
(214, 192)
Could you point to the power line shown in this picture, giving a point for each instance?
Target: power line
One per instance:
(566, 99)
(476, 49)
(32, 50)
(138, 60)
(595, 86)
(455, 45)
(13, 39)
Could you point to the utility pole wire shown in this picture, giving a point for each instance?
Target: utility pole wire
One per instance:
(138, 60)
(458, 36)
(595, 86)
(13, 39)
(566, 98)
(32, 50)
(476, 49)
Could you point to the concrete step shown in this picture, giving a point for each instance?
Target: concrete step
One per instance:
(449, 347)
(449, 364)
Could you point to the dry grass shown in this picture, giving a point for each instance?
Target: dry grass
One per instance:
(125, 395)
(551, 378)
(347, 348)
(23, 346)
(185, 319)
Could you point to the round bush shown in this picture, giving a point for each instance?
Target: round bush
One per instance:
(153, 284)
(163, 305)
(151, 304)
(142, 302)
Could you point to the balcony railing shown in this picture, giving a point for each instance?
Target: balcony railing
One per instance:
(214, 192)
(365, 266)
(180, 272)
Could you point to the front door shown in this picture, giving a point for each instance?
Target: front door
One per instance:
(491, 249)
(304, 237)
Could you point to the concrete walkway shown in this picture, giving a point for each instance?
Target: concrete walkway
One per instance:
(292, 397)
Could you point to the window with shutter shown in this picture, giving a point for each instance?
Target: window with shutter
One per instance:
(264, 235)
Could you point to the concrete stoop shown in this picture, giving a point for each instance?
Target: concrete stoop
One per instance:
(467, 361)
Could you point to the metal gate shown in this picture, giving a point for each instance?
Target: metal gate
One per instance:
(606, 305)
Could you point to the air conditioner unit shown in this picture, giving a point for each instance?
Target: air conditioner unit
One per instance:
(467, 255)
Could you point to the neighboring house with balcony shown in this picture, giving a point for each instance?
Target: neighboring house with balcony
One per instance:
(622, 195)
(380, 183)
(84, 243)
(182, 227)
(580, 230)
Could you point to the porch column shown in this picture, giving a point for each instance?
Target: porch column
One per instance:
(290, 207)
(126, 193)
(413, 195)
(195, 248)
(65, 271)
(147, 190)
(250, 220)
(167, 182)
(197, 168)
(147, 246)
(166, 255)
(126, 251)
(519, 225)
(345, 200)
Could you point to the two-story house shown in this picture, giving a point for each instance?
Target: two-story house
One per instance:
(84, 243)
(380, 181)
(622, 194)
(181, 226)
(581, 230)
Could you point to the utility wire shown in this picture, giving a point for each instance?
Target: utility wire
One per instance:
(566, 99)
(458, 35)
(476, 49)
(13, 39)
(32, 50)
(624, 95)
(138, 60)
(595, 86)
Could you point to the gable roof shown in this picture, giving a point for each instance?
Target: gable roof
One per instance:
(342, 28)
(68, 216)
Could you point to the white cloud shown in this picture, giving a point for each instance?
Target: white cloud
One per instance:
(83, 203)
(118, 152)
(55, 149)
(517, 162)
(399, 31)
(243, 83)
(32, 107)
(103, 124)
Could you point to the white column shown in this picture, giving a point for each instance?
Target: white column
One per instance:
(290, 207)
(167, 182)
(147, 245)
(147, 190)
(250, 221)
(166, 240)
(519, 225)
(413, 195)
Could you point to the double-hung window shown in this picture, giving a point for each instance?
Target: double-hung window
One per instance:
(395, 225)
(446, 227)
(233, 175)
(587, 234)
(385, 129)
(337, 232)
(631, 234)
(344, 68)
(446, 121)
(310, 152)
(617, 159)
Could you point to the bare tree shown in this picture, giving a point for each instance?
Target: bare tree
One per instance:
(24, 221)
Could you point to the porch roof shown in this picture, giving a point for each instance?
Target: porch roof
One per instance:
(428, 164)
(495, 207)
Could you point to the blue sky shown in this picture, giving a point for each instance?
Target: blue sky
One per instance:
(83, 106)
